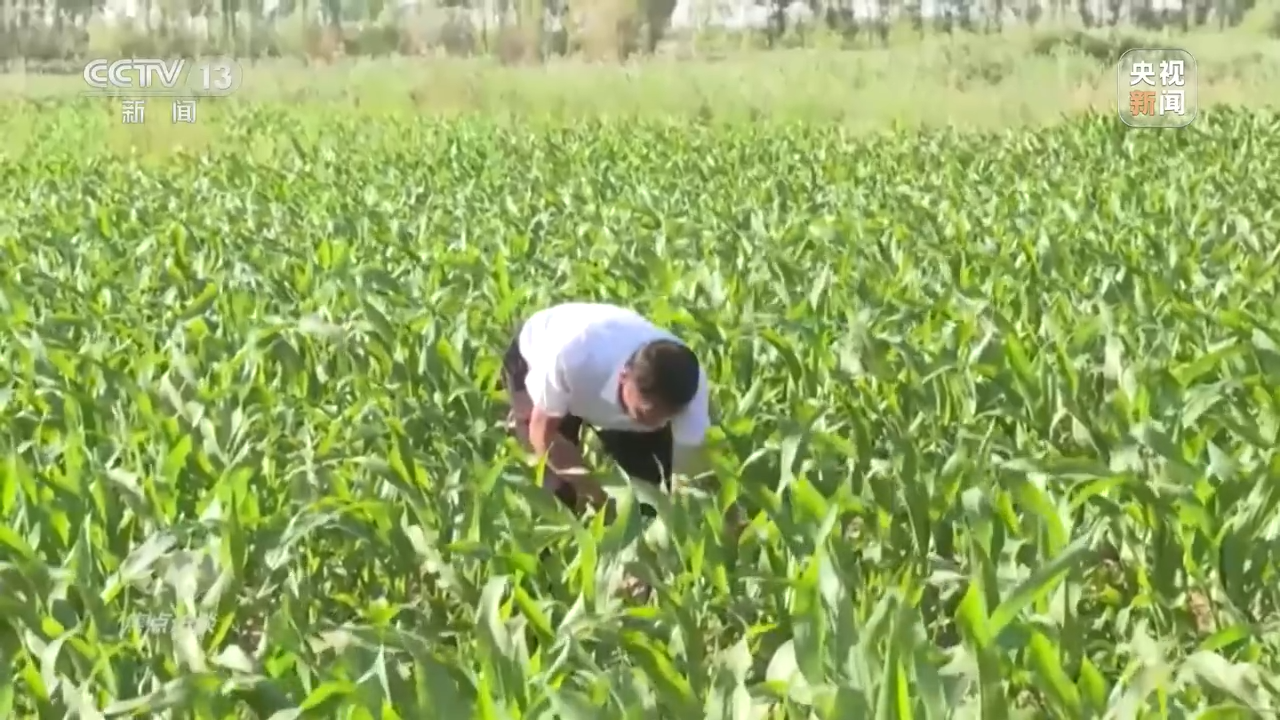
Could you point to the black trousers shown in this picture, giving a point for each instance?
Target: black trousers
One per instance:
(643, 455)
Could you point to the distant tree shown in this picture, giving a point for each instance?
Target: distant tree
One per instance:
(76, 10)
(332, 10)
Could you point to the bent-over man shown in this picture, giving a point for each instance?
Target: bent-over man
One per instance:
(640, 389)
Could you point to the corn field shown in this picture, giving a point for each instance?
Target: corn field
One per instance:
(999, 416)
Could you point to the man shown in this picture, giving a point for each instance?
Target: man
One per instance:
(640, 389)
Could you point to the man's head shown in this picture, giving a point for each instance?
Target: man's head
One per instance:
(658, 381)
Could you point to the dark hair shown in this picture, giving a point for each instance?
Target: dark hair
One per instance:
(666, 372)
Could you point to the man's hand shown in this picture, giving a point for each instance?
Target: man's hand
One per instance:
(689, 459)
(689, 463)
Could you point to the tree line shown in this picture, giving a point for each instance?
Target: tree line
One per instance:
(61, 34)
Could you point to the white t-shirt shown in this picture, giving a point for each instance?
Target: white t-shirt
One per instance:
(576, 353)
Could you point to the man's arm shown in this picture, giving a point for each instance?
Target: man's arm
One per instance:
(564, 459)
(691, 462)
(548, 387)
(544, 436)
(689, 432)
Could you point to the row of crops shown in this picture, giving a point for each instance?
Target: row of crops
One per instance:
(1002, 412)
